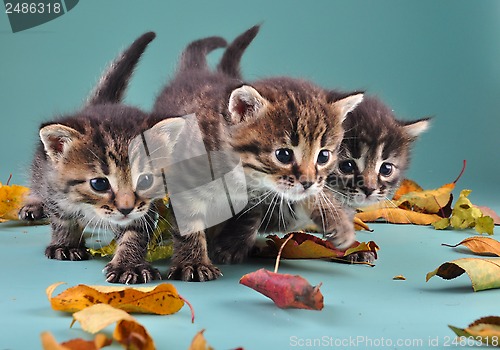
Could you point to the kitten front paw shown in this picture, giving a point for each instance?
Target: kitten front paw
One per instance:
(341, 239)
(194, 272)
(32, 212)
(58, 252)
(230, 252)
(131, 274)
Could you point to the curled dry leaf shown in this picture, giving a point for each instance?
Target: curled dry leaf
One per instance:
(287, 291)
(485, 329)
(199, 342)
(99, 342)
(162, 299)
(480, 245)
(11, 201)
(306, 246)
(399, 278)
(128, 331)
(406, 186)
(483, 273)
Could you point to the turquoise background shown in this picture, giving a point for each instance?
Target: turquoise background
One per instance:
(423, 58)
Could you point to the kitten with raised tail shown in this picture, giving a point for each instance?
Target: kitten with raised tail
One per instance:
(374, 153)
(87, 173)
(285, 131)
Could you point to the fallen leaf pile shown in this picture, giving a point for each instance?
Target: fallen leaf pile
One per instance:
(485, 330)
(11, 200)
(413, 205)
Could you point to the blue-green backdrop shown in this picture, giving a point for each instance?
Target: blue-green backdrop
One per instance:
(424, 58)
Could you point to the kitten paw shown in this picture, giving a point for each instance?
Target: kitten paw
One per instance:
(361, 257)
(230, 253)
(341, 240)
(194, 272)
(134, 274)
(58, 252)
(32, 212)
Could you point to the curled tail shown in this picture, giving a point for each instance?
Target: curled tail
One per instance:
(114, 81)
(194, 55)
(230, 61)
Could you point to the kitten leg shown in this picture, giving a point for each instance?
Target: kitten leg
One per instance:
(237, 239)
(67, 240)
(190, 261)
(32, 209)
(128, 265)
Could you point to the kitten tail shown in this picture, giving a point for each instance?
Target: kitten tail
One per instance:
(114, 81)
(230, 61)
(194, 56)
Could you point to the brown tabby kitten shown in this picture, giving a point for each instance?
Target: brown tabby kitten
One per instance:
(86, 173)
(374, 154)
(285, 131)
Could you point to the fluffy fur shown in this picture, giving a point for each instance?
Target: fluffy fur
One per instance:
(85, 175)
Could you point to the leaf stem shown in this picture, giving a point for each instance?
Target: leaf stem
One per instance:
(279, 253)
(8, 180)
(190, 307)
(461, 172)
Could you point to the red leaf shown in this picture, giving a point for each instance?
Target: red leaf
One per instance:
(287, 291)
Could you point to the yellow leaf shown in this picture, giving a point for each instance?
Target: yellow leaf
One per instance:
(127, 331)
(483, 273)
(485, 329)
(199, 342)
(162, 299)
(399, 278)
(11, 201)
(407, 186)
(398, 216)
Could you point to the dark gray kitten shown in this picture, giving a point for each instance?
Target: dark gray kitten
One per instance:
(85, 175)
(374, 154)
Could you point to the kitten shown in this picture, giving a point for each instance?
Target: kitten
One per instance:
(374, 154)
(88, 172)
(285, 131)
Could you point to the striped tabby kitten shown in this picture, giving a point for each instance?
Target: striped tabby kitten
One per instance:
(374, 154)
(83, 176)
(285, 131)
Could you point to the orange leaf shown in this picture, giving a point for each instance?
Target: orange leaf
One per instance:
(161, 299)
(480, 245)
(304, 246)
(11, 201)
(398, 216)
(405, 187)
(199, 342)
(100, 341)
(359, 247)
(287, 291)
(133, 335)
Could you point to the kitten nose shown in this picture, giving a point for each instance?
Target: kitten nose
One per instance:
(307, 184)
(125, 211)
(367, 190)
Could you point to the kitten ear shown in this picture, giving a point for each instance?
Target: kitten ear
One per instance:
(169, 129)
(347, 104)
(415, 128)
(57, 139)
(245, 102)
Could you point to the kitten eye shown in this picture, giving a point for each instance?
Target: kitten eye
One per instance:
(100, 184)
(284, 155)
(386, 169)
(144, 182)
(347, 167)
(323, 156)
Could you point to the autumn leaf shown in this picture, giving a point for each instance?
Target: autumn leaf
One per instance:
(162, 299)
(485, 329)
(199, 342)
(480, 245)
(399, 278)
(11, 201)
(490, 212)
(128, 331)
(50, 343)
(287, 291)
(483, 273)
(306, 246)
(464, 215)
(406, 186)
(397, 216)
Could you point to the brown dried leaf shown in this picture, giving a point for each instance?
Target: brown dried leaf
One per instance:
(100, 341)
(480, 245)
(199, 342)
